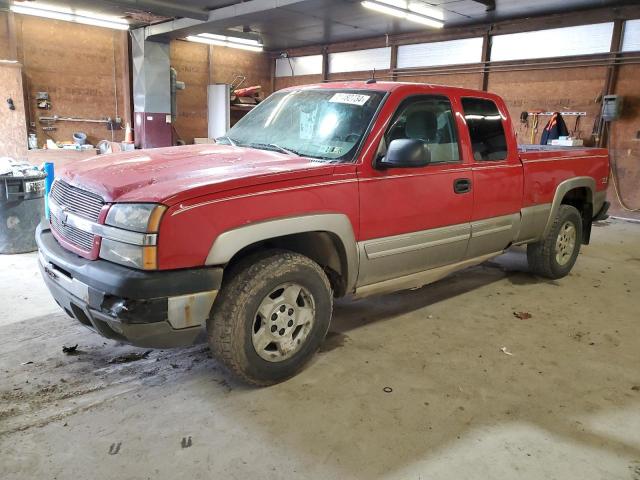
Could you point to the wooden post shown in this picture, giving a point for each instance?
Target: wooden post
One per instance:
(394, 62)
(325, 64)
(486, 57)
(612, 73)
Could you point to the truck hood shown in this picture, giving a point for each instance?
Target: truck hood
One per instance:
(174, 174)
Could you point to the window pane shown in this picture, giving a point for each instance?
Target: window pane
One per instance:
(360, 60)
(631, 41)
(431, 120)
(485, 129)
(452, 52)
(308, 65)
(554, 42)
(325, 124)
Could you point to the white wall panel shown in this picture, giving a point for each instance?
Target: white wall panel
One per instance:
(631, 39)
(360, 60)
(555, 42)
(453, 52)
(307, 65)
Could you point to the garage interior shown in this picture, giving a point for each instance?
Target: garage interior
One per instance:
(489, 373)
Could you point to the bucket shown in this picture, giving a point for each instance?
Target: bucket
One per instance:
(79, 138)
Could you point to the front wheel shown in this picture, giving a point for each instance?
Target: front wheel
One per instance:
(271, 316)
(555, 255)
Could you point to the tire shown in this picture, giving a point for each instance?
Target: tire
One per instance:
(258, 303)
(554, 256)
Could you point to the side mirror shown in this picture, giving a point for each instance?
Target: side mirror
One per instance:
(405, 153)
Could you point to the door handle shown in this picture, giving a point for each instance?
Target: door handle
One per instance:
(462, 185)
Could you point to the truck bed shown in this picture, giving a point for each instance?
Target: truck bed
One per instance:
(546, 166)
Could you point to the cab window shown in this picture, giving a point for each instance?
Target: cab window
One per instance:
(484, 121)
(429, 119)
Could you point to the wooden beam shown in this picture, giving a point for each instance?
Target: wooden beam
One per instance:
(325, 64)
(485, 59)
(612, 74)
(394, 62)
(13, 38)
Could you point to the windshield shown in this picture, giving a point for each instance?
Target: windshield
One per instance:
(316, 123)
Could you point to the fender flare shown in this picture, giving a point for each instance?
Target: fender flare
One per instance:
(228, 243)
(562, 189)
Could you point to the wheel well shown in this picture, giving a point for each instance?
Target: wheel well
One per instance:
(581, 199)
(324, 248)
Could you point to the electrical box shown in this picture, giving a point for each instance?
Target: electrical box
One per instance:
(611, 107)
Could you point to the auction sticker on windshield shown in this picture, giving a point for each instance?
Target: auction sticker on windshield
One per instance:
(350, 98)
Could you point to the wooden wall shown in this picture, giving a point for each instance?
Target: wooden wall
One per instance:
(286, 82)
(625, 137)
(83, 68)
(13, 126)
(199, 65)
(191, 61)
(563, 89)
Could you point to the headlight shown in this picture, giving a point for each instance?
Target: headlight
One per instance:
(138, 217)
(134, 256)
(133, 250)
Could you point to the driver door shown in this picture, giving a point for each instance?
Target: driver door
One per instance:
(415, 219)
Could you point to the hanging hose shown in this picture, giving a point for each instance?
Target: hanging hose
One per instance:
(614, 176)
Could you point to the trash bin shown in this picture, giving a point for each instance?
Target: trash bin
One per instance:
(21, 210)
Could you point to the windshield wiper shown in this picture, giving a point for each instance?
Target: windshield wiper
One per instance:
(231, 141)
(275, 147)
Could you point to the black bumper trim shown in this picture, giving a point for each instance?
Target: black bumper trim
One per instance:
(159, 334)
(125, 282)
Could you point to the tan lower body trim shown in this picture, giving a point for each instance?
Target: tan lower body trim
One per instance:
(419, 279)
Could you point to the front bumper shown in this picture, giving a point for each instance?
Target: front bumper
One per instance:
(160, 309)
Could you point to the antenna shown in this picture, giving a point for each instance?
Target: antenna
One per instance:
(373, 77)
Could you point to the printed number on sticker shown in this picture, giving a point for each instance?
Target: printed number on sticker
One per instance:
(350, 98)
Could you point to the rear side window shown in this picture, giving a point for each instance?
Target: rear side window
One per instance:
(485, 129)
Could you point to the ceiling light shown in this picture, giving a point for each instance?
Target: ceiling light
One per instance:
(68, 15)
(400, 9)
(430, 22)
(395, 3)
(384, 9)
(247, 41)
(225, 43)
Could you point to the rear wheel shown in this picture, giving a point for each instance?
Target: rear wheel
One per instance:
(270, 317)
(555, 255)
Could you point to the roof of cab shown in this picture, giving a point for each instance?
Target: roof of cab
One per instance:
(382, 86)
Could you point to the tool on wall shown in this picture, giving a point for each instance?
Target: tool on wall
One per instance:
(534, 126)
(42, 101)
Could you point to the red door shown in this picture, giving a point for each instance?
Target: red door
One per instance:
(497, 175)
(413, 219)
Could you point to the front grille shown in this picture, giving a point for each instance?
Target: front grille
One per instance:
(75, 200)
(79, 238)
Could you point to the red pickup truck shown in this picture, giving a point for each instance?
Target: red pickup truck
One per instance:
(321, 191)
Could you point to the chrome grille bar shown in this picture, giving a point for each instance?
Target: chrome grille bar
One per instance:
(85, 204)
(74, 235)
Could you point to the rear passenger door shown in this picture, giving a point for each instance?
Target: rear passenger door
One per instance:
(412, 219)
(497, 176)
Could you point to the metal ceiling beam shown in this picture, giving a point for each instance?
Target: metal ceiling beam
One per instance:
(490, 4)
(217, 20)
(162, 7)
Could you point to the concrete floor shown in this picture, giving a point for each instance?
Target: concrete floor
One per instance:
(475, 391)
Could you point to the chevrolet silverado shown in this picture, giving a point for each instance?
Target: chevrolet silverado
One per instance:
(321, 191)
